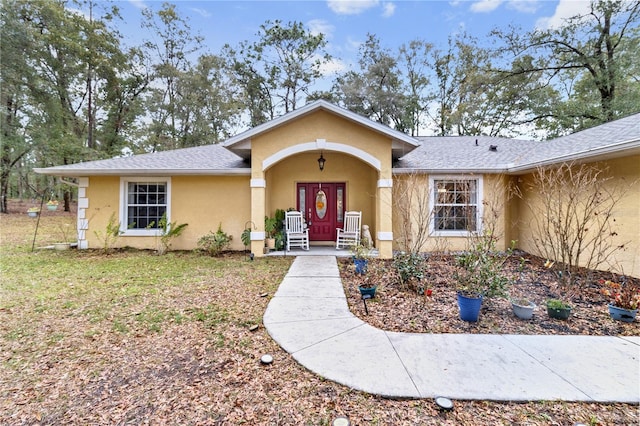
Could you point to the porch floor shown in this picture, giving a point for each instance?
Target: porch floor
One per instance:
(317, 251)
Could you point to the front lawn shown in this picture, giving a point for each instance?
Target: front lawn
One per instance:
(136, 338)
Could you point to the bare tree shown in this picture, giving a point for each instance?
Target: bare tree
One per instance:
(411, 199)
(573, 220)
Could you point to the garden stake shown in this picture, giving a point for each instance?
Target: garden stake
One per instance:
(364, 300)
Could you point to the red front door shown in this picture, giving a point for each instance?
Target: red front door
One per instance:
(323, 207)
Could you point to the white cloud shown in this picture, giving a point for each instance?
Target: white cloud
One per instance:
(389, 9)
(565, 9)
(202, 12)
(334, 66)
(320, 26)
(351, 7)
(524, 6)
(483, 6)
(138, 3)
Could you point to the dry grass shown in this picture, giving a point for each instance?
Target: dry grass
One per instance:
(135, 338)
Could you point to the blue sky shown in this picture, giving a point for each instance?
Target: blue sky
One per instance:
(346, 23)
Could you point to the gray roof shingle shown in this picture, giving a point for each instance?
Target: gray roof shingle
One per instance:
(459, 154)
(446, 154)
(200, 160)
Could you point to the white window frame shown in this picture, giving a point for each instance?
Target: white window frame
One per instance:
(479, 211)
(124, 188)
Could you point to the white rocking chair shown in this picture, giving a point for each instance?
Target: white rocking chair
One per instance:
(296, 231)
(350, 234)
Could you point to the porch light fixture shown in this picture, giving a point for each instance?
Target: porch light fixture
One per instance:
(321, 161)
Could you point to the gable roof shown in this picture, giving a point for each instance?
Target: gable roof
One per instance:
(200, 160)
(401, 142)
(460, 154)
(434, 154)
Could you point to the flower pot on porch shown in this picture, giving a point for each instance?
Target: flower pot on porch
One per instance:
(52, 207)
(622, 314)
(271, 243)
(469, 306)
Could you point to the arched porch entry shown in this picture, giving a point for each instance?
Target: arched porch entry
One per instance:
(350, 180)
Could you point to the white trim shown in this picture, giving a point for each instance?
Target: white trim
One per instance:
(321, 143)
(82, 224)
(328, 146)
(385, 183)
(479, 203)
(385, 236)
(257, 235)
(124, 180)
(83, 203)
(258, 183)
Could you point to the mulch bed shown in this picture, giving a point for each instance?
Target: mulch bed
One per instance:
(402, 309)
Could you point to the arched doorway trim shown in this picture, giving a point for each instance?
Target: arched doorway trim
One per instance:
(323, 145)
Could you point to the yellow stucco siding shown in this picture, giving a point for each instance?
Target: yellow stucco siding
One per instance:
(496, 209)
(326, 126)
(201, 201)
(626, 174)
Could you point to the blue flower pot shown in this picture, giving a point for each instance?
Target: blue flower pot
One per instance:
(361, 265)
(469, 307)
(621, 314)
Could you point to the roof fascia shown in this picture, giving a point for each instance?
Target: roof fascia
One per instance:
(601, 153)
(52, 171)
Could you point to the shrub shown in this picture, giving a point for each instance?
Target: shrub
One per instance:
(481, 268)
(410, 266)
(215, 243)
(170, 231)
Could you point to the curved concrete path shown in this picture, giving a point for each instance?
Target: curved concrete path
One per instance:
(309, 317)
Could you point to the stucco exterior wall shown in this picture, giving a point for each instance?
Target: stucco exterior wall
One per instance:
(201, 201)
(496, 205)
(626, 175)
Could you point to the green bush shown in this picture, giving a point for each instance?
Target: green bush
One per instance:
(410, 266)
(215, 243)
(482, 269)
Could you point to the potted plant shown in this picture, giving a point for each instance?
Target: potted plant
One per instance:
(558, 309)
(366, 285)
(479, 276)
(270, 228)
(52, 205)
(523, 308)
(33, 211)
(624, 299)
(64, 243)
(360, 254)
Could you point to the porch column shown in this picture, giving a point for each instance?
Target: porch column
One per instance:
(384, 215)
(258, 191)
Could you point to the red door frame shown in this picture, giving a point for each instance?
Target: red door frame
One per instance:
(323, 213)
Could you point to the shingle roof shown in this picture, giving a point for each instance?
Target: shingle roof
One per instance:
(200, 160)
(447, 154)
(458, 154)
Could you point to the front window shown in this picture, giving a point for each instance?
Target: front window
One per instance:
(456, 210)
(145, 201)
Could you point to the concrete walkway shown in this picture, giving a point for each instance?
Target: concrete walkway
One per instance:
(309, 317)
